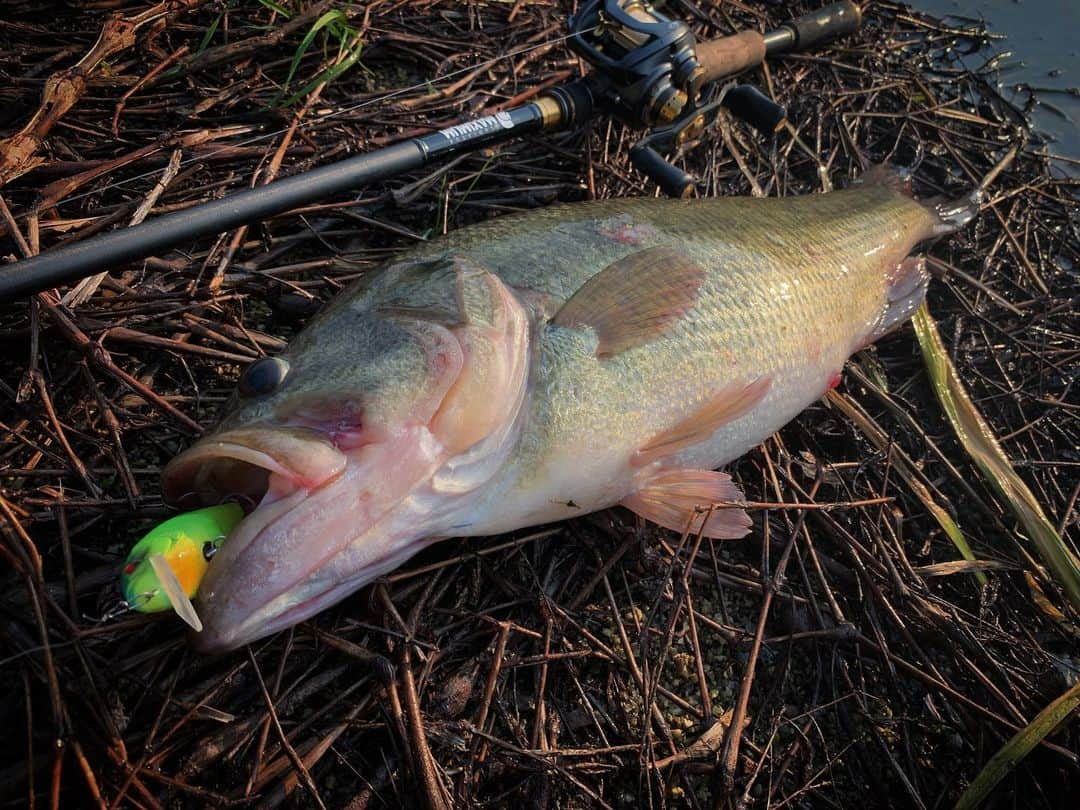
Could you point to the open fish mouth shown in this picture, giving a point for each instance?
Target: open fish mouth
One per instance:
(269, 472)
(252, 466)
(321, 522)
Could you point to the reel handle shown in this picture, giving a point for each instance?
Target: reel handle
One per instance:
(727, 56)
(733, 54)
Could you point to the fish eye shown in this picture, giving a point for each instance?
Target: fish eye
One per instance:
(262, 376)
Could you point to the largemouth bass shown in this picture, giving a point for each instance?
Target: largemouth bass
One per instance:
(537, 367)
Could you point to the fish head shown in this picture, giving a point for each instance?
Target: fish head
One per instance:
(368, 437)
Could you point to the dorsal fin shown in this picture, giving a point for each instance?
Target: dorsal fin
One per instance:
(882, 174)
(635, 299)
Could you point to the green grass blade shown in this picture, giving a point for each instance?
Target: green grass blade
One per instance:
(209, 35)
(905, 467)
(284, 12)
(979, 442)
(1018, 747)
(329, 74)
(329, 18)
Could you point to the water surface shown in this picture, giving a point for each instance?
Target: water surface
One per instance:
(1042, 36)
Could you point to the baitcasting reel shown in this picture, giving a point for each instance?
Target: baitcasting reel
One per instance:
(648, 70)
(645, 65)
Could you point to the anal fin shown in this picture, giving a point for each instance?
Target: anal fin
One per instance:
(905, 289)
(673, 498)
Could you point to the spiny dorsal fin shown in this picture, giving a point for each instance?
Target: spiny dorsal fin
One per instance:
(882, 174)
(635, 299)
(671, 499)
(727, 404)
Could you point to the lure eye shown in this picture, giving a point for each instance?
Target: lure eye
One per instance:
(210, 547)
(262, 376)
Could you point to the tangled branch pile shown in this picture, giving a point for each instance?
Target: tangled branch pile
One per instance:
(600, 662)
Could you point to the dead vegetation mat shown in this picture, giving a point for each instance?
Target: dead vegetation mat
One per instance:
(598, 662)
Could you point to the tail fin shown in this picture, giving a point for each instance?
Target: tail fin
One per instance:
(952, 215)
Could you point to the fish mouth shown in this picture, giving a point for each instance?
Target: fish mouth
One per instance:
(270, 472)
(321, 522)
(223, 632)
(250, 466)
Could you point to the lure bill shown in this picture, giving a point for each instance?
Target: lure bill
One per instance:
(164, 569)
(174, 591)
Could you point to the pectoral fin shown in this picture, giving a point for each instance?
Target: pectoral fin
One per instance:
(635, 299)
(729, 403)
(673, 498)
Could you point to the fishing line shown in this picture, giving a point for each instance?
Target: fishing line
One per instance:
(344, 110)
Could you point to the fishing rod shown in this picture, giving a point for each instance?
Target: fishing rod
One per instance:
(645, 69)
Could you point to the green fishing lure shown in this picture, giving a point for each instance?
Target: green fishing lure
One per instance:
(164, 569)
